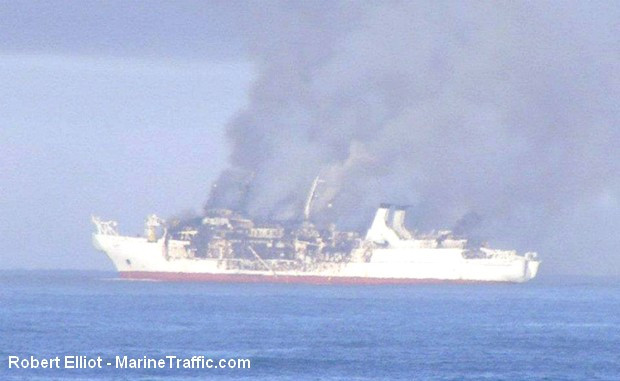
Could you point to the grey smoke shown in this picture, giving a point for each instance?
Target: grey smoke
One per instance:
(230, 190)
(467, 224)
(507, 109)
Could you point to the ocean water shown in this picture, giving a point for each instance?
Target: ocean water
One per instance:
(555, 329)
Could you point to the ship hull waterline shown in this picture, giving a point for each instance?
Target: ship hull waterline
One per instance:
(289, 279)
(135, 258)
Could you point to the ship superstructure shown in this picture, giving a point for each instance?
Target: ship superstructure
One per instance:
(226, 246)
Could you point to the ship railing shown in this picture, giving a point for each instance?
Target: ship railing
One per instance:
(105, 227)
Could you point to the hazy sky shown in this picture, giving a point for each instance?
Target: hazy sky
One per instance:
(505, 109)
(112, 108)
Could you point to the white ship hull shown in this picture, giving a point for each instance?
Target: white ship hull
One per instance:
(136, 258)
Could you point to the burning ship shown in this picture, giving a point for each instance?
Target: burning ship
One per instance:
(226, 246)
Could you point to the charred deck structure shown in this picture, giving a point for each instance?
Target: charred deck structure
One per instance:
(225, 245)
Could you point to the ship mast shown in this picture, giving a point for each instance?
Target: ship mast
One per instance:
(310, 198)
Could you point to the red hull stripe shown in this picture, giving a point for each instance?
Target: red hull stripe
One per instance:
(302, 279)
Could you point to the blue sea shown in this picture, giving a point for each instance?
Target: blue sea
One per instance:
(548, 329)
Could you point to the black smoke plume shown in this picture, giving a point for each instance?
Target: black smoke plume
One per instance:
(509, 109)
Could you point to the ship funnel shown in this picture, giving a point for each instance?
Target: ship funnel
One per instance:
(379, 231)
(397, 222)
